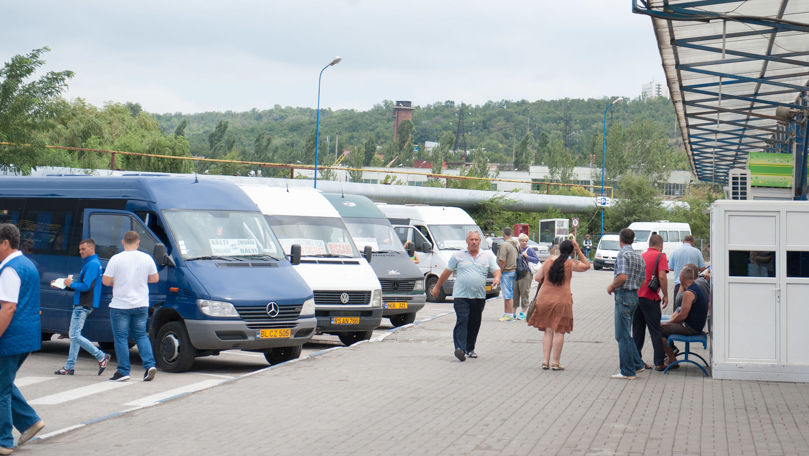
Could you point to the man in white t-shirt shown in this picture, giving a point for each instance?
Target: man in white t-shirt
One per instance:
(129, 273)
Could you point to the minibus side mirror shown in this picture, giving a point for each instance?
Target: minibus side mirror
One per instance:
(161, 258)
(426, 247)
(368, 253)
(295, 254)
(411, 250)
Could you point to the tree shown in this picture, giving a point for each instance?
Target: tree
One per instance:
(27, 108)
(369, 151)
(559, 160)
(216, 140)
(637, 200)
(440, 153)
(180, 130)
(522, 159)
(542, 148)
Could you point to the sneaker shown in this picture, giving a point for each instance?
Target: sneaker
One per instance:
(506, 317)
(623, 377)
(471, 354)
(64, 371)
(521, 316)
(4, 450)
(103, 363)
(460, 354)
(150, 373)
(29, 433)
(119, 377)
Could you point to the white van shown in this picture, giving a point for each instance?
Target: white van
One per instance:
(348, 296)
(673, 234)
(607, 251)
(436, 233)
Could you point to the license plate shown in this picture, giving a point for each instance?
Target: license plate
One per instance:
(345, 320)
(396, 305)
(273, 333)
(488, 288)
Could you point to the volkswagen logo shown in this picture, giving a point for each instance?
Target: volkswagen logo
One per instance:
(344, 298)
(272, 309)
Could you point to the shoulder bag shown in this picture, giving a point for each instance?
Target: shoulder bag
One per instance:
(654, 282)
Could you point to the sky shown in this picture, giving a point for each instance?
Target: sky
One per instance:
(197, 56)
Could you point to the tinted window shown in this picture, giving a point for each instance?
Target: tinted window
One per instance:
(748, 263)
(107, 230)
(797, 264)
(674, 236)
(46, 227)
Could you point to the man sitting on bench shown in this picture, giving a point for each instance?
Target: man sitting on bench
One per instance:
(690, 318)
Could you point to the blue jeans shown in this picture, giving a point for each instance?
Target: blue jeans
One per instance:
(626, 301)
(468, 313)
(80, 314)
(14, 410)
(124, 323)
(507, 284)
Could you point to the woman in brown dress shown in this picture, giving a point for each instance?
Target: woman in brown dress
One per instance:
(553, 311)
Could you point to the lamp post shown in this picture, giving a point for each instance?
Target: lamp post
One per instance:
(603, 156)
(317, 122)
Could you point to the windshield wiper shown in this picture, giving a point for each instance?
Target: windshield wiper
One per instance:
(335, 255)
(215, 257)
(259, 257)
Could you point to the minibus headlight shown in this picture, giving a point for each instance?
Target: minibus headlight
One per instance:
(376, 298)
(419, 286)
(308, 307)
(217, 308)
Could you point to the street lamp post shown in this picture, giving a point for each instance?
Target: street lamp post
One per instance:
(317, 122)
(603, 156)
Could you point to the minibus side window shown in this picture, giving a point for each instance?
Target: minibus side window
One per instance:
(45, 228)
(674, 236)
(423, 230)
(107, 230)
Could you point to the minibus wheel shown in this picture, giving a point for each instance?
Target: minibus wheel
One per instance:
(349, 338)
(173, 349)
(403, 319)
(431, 281)
(279, 355)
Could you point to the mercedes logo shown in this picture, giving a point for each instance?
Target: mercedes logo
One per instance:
(344, 298)
(272, 309)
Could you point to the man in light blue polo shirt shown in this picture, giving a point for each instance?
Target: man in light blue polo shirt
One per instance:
(685, 254)
(471, 266)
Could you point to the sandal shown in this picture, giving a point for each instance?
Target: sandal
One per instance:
(545, 365)
(557, 367)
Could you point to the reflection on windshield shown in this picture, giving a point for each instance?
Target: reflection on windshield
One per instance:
(642, 235)
(374, 232)
(317, 236)
(453, 237)
(609, 245)
(201, 233)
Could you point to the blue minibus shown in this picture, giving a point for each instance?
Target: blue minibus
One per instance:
(224, 280)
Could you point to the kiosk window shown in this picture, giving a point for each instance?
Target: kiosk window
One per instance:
(797, 264)
(750, 263)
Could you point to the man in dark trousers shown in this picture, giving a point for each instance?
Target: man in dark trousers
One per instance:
(86, 298)
(648, 313)
(690, 319)
(20, 334)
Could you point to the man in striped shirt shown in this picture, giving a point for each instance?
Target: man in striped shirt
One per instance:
(628, 273)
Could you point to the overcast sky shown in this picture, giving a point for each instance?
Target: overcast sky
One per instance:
(195, 56)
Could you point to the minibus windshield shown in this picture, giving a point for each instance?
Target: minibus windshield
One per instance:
(642, 235)
(204, 234)
(609, 245)
(374, 232)
(317, 236)
(453, 237)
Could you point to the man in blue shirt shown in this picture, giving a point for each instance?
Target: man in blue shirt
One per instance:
(629, 274)
(20, 334)
(471, 267)
(85, 299)
(685, 254)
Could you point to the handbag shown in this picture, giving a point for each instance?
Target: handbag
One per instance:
(532, 305)
(654, 282)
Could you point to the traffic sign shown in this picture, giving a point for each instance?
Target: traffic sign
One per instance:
(575, 222)
(603, 201)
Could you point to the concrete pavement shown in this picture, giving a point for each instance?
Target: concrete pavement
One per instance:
(407, 394)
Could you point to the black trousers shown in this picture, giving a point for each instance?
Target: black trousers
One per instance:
(468, 314)
(647, 315)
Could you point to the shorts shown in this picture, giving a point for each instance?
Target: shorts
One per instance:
(507, 284)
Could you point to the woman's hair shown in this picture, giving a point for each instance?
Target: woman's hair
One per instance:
(557, 272)
(523, 237)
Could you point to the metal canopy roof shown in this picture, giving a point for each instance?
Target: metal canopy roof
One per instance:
(730, 64)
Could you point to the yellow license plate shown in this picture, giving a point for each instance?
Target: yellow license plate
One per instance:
(488, 288)
(396, 305)
(274, 333)
(345, 320)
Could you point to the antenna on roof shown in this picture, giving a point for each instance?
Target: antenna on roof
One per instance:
(287, 187)
(196, 179)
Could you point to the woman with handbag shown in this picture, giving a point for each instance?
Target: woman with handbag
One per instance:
(553, 309)
(523, 281)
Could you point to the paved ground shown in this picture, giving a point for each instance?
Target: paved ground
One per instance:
(408, 395)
